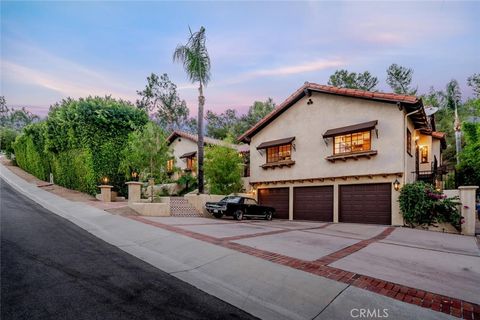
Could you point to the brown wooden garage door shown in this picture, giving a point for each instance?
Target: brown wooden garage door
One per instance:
(313, 203)
(276, 198)
(366, 203)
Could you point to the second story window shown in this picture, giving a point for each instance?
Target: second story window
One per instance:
(352, 142)
(279, 153)
(409, 142)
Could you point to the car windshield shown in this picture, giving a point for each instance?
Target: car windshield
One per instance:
(231, 199)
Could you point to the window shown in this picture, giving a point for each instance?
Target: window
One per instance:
(409, 142)
(170, 165)
(231, 199)
(424, 154)
(191, 163)
(249, 201)
(279, 153)
(353, 142)
(246, 165)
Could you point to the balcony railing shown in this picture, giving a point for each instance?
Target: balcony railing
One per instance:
(442, 176)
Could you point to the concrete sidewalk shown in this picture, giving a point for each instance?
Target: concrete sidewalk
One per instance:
(262, 288)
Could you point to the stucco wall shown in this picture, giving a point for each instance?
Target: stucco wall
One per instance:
(179, 147)
(307, 123)
(410, 158)
(436, 150)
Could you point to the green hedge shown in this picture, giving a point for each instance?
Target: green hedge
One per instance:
(29, 151)
(80, 142)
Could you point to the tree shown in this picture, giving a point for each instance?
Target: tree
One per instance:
(160, 95)
(15, 119)
(452, 96)
(190, 126)
(474, 82)
(4, 112)
(228, 123)
(196, 62)
(344, 79)
(433, 98)
(399, 79)
(469, 167)
(257, 112)
(20, 118)
(219, 126)
(223, 169)
(147, 153)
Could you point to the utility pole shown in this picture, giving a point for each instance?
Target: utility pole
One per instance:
(458, 134)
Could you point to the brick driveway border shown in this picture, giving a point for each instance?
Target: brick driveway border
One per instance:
(448, 305)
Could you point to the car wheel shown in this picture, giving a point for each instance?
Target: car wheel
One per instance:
(218, 215)
(238, 215)
(269, 216)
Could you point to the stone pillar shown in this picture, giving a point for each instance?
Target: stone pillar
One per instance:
(134, 191)
(467, 208)
(106, 192)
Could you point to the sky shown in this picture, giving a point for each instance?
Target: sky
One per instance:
(52, 50)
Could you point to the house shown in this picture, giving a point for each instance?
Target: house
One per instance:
(184, 147)
(340, 155)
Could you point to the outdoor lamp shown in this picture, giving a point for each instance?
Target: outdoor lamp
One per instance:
(134, 175)
(396, 185)
(105, 180)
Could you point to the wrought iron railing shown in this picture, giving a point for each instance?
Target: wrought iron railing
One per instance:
(443, 177)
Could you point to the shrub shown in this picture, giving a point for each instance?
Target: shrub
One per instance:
(30, 152)
(223, 169)
(80, 142)
(469, 168)
(73, 169)
(422, 205)
(7, 138)
(147, 151)
(188, 181)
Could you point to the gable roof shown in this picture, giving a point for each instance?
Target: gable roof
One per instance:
(206, 140)
(410, 103)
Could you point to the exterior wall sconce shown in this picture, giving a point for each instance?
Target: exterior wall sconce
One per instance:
(396, 185)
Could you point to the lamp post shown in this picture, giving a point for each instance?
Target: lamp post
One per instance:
(105, 189)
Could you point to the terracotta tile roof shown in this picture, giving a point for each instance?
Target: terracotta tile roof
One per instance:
(206, 140)
(438, 134)
(298, 94)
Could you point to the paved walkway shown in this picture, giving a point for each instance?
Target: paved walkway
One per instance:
(433, 270)
(286, 284)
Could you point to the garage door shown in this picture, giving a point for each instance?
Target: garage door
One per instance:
(366, 203)
(313, 203)
(276, 198)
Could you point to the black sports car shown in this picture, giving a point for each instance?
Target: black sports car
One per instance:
(239, 207)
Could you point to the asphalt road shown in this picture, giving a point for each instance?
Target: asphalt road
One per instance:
(52, 269)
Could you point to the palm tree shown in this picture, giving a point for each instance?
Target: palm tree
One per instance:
(196, 62)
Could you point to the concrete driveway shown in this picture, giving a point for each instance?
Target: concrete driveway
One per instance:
(445, 264)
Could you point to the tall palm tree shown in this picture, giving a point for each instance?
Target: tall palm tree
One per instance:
(196, 62)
